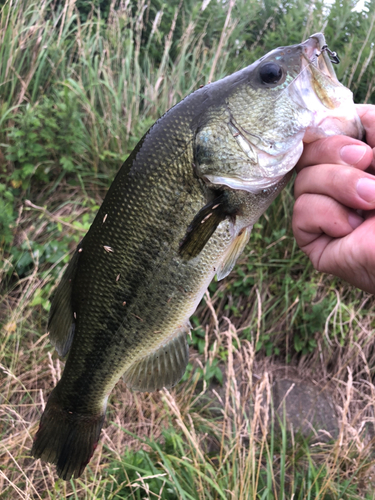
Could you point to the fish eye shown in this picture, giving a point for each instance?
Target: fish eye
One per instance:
(270, 73)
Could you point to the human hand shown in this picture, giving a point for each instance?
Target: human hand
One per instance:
(330, 187)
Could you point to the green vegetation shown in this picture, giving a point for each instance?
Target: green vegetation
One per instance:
(80, 84)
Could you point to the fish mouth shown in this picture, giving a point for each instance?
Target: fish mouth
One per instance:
(317, 56)
(316, 62)
(318, 90)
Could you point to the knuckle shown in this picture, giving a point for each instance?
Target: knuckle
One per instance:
(316, 262)
(300, 205)
(315, 252)
(343, 181)
(299, 182)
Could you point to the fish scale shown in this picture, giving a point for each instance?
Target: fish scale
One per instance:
(179, 211)
(145, 209)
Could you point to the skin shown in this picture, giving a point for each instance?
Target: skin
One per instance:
(334, 213)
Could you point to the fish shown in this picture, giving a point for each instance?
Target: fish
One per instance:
(179, 211)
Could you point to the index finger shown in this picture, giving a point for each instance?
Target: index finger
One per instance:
(337, 149)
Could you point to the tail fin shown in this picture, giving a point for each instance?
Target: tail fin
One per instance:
(66, 439)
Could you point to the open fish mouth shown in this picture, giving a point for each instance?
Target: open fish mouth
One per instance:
(318, 89)
(318, 57)
(317, 61)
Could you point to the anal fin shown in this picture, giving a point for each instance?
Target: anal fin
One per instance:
(234, 251)
(163, 368)
(61, 321)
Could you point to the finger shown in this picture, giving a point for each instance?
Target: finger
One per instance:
(347, 185)
(337, 149)
(366, 112)
(350, 257)
(315, 215)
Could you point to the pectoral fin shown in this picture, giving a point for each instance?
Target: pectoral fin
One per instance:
(61, 321)
(234, 251)
(163, 368)
(203, 226)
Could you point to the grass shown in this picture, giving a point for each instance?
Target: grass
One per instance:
(76, 96)
(198, 441)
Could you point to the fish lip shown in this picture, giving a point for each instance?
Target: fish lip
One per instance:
(252, 185)
(314, 54)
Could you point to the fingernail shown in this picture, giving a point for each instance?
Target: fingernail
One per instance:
(355, 220)
(366, 189)
(352, 154)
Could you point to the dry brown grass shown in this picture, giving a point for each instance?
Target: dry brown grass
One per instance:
(29, 370)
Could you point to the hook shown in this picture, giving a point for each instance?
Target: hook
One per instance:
(334, 58)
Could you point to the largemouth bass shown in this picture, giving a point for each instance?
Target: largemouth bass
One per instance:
(179, 211)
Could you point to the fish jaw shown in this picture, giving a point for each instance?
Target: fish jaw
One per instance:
(317, 88)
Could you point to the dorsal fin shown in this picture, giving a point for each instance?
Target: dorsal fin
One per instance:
(61, 321)
(163, 368)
